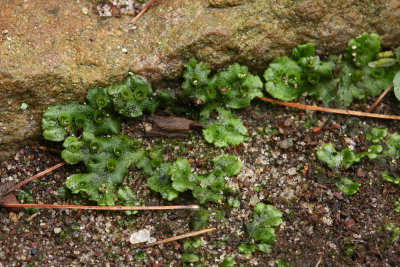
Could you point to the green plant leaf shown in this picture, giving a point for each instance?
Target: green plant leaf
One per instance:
(182, 176)
(363, 49)
(284, 79)
(282, 263)
(234, 202)
(372, 152)
(396, 85)
(265, 217)
(236, 86)
(347, 90)
(246, 248)
(199, 220)
(190, 258)
(229, 165)
(389, 178)
(127, 198)
(303, 50)
(196, 84)
(60, 121)
(191, 245)
(161, 182)
(376, 80)
(266, 248)
(133, 97)
(105, 164)
(347, 186)
(335, 159)
(375, 135)
(228, 262)
(329, 155)
(393, 146)
(227, 130)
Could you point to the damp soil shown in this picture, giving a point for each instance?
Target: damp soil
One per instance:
(322, 226)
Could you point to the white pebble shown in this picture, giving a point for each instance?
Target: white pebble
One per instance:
(57, 230)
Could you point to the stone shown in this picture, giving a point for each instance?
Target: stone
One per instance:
(50, 51)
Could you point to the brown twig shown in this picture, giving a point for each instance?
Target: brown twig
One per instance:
(36, 176)
(373, 106)
(78, 207)
(180, 237)
(142, 12)
(331, 110)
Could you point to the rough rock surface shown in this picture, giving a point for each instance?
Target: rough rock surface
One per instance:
(50, 51)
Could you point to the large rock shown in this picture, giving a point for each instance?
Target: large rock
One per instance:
(53, 52)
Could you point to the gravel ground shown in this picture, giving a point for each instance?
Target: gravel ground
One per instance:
(322, 226)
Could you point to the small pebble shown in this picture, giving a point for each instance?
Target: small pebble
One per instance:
(57, 230)
(13, 217)
(292, 171)
(124, 50)
(85, 11)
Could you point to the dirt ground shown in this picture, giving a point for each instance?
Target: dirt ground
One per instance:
(322, 226)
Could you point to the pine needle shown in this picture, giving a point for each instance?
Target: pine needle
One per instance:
(142, 12)
(180, 237)
(331, 110)
(78, 207)
(36, 176)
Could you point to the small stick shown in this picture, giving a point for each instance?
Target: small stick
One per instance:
(33, 216)
(36, 176)
(180, 237)
(373, 106)
(78, 207)
(142, 12)
(331, 110)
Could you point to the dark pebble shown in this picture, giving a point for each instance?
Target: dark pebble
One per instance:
(172, 217)
(34, 251)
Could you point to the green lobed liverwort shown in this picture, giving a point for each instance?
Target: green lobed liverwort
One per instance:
(225, 130)
(347, 186)
(345, 158)
(107, 161)
(70, 119)
(375, 135)
(261, 229)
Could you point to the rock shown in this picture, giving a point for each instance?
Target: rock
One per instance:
(292, 171)
(50, 51)
(141, 236)
(285, 144)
